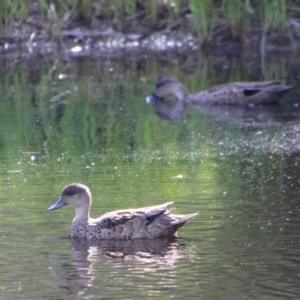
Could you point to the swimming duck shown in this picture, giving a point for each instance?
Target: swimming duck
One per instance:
(147, 222)
(239, 93)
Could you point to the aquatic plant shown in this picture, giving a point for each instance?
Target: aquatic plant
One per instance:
(273, 14)
(237, 13)
(208, 18)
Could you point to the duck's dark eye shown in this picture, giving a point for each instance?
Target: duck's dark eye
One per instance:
(155, 97)
(70, 192)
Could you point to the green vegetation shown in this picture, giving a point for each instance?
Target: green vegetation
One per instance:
(208, 19)
(44, 102)
(93, 124)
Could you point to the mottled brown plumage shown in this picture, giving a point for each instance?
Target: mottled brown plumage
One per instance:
(147, 222)
(237, 93)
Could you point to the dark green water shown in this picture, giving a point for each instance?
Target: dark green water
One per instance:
(87, 121)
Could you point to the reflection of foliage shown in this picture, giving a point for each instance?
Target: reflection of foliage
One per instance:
(67, 107)
(91, 114)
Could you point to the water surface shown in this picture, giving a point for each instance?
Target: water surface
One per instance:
(86, 120)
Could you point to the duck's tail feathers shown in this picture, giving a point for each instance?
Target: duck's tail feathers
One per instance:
(181, 220)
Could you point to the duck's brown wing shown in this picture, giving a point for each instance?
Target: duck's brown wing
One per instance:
(121, 217)
(254, 86)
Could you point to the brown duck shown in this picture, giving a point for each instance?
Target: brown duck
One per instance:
(236, 93)
(142, 223)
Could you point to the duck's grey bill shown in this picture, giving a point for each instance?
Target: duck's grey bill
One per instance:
(60, 203)
(152, 99)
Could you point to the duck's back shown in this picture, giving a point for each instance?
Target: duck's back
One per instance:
(147, 222)
(242, 93)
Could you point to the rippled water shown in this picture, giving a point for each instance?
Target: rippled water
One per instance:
(88, 122)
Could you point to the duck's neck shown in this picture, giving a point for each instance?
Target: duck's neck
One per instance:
(180, 92)
(200, 97)
(81, 215)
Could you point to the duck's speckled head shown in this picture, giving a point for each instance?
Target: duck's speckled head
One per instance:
(75, 194)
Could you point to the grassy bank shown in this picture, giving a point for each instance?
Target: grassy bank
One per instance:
(208, 20)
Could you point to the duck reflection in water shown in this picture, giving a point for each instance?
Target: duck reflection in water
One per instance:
(174, 109)
(115, 259)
